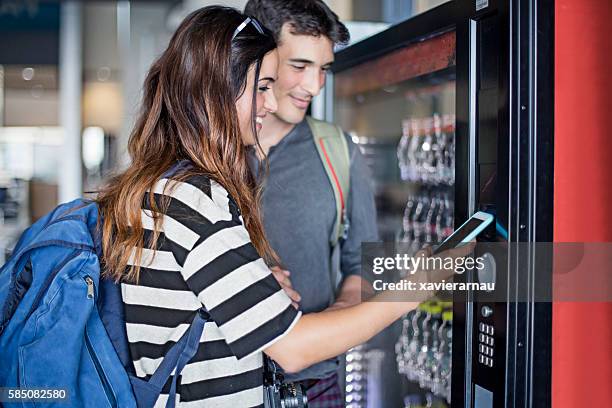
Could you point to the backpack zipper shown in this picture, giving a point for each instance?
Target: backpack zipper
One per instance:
(90, 287)
(105, 384)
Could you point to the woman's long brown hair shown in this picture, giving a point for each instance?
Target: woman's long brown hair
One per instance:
(188, 113)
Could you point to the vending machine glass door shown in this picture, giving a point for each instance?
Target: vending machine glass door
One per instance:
(399, 109)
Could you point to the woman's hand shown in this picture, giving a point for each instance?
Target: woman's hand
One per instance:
(282, 276)
(428, 276)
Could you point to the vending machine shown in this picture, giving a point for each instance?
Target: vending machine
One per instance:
(444, 106)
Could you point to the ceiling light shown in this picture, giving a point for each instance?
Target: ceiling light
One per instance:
(27, 74)
(104, 74)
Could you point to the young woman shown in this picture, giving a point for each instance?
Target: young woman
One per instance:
(182, 226)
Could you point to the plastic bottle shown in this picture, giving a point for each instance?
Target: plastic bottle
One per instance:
(413, 155)
(407, 226)
(430, 222)
(448, 131)
(401, 346)
(403, 150)
(445, 219)
(430, 346)
(427, 167)
(437, 148)
(418, 223)
(414, 345)
(446, 360)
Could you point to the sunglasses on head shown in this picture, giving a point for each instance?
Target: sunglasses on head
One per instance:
(246, 23)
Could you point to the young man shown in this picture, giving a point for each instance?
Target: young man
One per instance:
(299, 207)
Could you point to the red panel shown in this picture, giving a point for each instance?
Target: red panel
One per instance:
(418, 59)
(582, 333)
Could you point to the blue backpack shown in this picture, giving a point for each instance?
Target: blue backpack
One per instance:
(63, 327)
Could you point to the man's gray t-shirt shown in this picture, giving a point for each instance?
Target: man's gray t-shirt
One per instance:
(299, 211)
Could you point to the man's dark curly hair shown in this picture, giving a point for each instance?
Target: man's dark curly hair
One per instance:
(306, 17)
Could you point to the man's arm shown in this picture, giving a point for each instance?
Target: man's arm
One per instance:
(363, 228)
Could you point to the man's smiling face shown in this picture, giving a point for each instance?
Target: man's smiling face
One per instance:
(303, 63)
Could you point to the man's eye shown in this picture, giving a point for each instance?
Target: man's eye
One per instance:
(299, 67)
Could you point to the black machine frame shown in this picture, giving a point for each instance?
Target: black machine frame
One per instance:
(504, 92)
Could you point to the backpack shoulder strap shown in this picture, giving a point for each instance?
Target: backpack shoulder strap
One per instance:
(334, 153)
(112, 313)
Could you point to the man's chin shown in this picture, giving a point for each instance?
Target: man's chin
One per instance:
(293, 117)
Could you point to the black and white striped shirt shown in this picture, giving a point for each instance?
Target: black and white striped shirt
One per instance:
(204, 256)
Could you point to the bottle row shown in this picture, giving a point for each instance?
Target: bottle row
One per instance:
(428, 218)
(426, 151)
(356, 377)
(423, 350)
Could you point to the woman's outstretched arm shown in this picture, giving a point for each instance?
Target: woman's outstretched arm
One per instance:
(319, 336)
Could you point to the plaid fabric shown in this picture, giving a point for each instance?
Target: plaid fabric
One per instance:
(325, 393)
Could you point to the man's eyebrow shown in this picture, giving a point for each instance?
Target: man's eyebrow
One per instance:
(308, 62)
(301, 61)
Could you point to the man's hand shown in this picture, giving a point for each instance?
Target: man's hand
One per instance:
(353, 289)
(282, 276)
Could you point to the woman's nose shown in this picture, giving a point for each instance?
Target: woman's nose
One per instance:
(270, 104)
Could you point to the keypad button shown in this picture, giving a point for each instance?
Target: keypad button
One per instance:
(486, 311)
(481, 359)
(482, 338)
(483, 328)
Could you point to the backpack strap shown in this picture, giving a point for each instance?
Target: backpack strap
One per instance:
(112, 314)
(178, 356)
(334, 153)
(146, 392)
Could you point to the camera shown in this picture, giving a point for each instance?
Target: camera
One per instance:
(277, 393)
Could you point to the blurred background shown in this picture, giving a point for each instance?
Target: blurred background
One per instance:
(70, 84)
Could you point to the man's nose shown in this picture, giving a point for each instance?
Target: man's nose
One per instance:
(312, 82)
